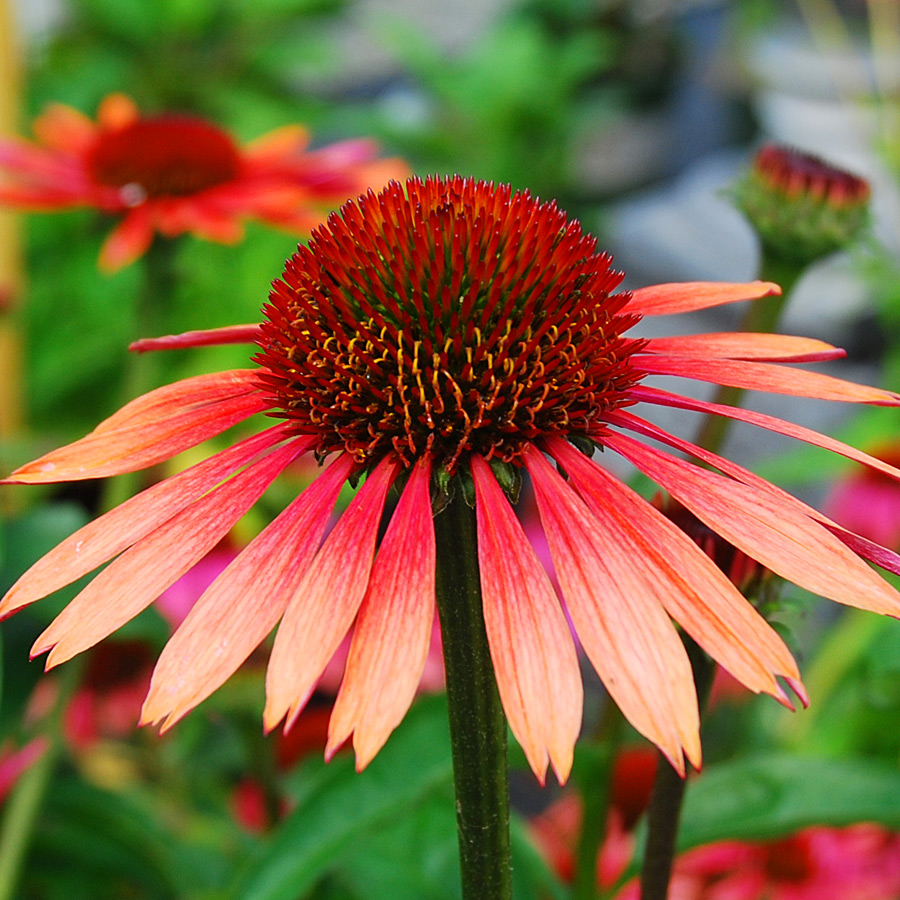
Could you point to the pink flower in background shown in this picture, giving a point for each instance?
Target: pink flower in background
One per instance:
(869, 503)
(861, 862)
(174, 173)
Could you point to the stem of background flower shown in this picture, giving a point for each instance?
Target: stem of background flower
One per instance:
(23, 807)
(477, 722)
(160, 279)
(668, 786)
(761, 316)
(664, 812)
(593, 775)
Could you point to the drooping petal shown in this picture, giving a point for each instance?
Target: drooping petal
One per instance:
(116, 111)
(746, 346)
(137, 577)
(626, 634)
(115, 531)
(690, 586)
(230, 334)
(531, 647)
(323, 607)
(128, 241)
(234, 615)
(773, 532)
(285, 142)
(680, 297)
(757, 376)
(863, 547)
(771, 423)
(393, 629)
(151, 429)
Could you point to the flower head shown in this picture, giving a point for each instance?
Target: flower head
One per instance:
(802, 207)
(450, 332)
(178, 173)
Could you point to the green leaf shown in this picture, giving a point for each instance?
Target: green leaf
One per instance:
(766, 796)
(344, 808)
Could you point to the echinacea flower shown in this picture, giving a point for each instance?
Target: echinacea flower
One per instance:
(802, 206)
(176, 173)
(861, 862)
(447, 335)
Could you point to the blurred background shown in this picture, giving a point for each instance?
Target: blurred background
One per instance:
(636, 115)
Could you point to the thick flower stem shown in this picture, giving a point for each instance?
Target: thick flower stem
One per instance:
(664, 813)
(477, 722)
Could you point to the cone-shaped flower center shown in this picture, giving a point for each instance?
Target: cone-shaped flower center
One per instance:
(449, 317)
(164, 156)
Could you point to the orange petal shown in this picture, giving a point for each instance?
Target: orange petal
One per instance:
(288, 141)
(393, 629)
(116, 111)
(323, 607)
(210, 337)
(65, 129)
(115, 531)
(776, 534)
(134, 580)
(771, 423)
(757, 376)
(128, 241)
(151, 429)
(626, 634)
(243, 604)
(664, 299)
(749, 345)
(531, 646)
(690, 586)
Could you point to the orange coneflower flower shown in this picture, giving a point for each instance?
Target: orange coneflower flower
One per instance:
(456, 328)
(178, 173)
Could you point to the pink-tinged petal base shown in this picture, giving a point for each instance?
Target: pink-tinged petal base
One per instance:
(134, 580)
(234, 615)
(680, 297)
(531, 647)
(393, 629)
(746, 346)
(621, 624)
(115, 531)
(690, 586)
(325, 603)
(775, 533)
(151, 429)
(230, 334)
(775, 379)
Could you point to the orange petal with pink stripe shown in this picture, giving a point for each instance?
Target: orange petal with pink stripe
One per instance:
(128, 241)
(621, 624)
(689, 585)
(210, 337)
(776, 534)
(115, 531)
(237, 611)
(746, 346)
(137, 577)
(323, 607)
(759, 376)
(531, 646)
(153, 428)
(393, 629)
(680, 297)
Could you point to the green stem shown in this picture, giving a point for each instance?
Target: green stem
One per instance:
(761, 316)
(666, 801)
(477, 723)
(664, 812)
(24, 805)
